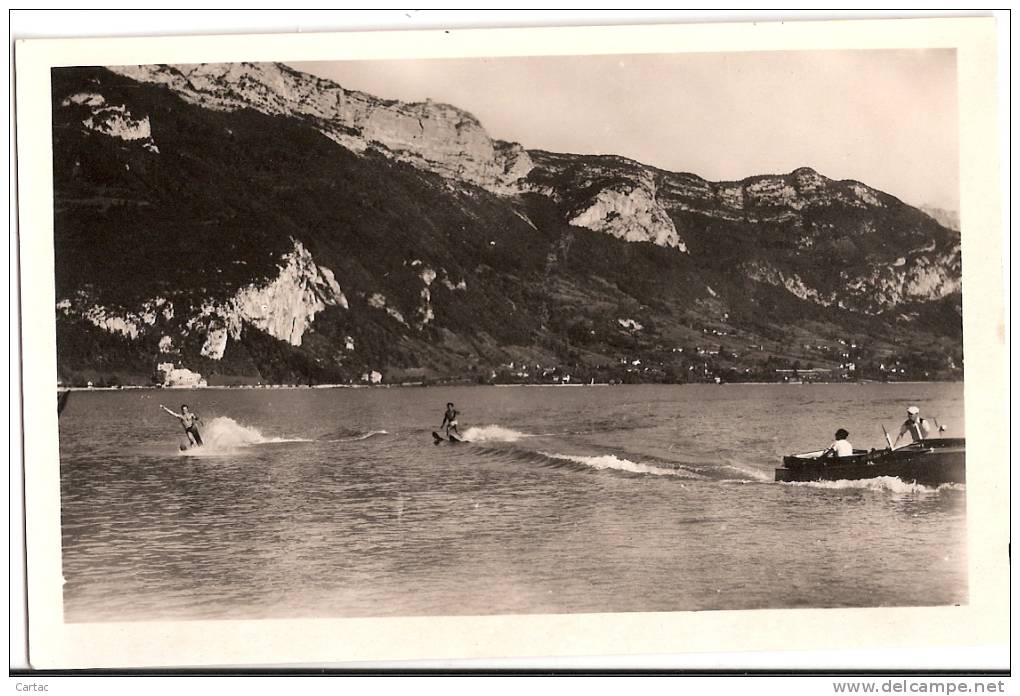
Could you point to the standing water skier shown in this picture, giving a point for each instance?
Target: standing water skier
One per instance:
(190, 420)
(450, 422)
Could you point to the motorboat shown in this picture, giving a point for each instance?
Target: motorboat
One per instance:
(931, 462)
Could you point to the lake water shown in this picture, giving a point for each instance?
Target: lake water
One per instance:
(336, 503)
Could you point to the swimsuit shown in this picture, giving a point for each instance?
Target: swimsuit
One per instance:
(188, 420)
(194, 431)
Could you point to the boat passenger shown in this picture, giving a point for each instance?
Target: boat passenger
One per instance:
(915, 425)
(841, 447)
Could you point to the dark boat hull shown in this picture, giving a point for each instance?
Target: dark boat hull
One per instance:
(928, 463)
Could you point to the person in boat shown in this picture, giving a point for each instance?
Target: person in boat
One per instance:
(841, 447)
(450, 421)
(190, 420)
(917, 427)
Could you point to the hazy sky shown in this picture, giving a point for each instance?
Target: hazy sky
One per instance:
(886, 118)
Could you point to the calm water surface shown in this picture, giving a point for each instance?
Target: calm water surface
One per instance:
(335, 503)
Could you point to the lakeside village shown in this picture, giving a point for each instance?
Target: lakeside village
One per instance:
(717, 359)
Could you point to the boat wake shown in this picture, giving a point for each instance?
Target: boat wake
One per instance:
(889, 484)
(693, 467)
(749, 472)
(225, 436)
(358, 437)
(503, 443)
(611, 461)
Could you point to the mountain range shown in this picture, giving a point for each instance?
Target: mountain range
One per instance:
(247, 223)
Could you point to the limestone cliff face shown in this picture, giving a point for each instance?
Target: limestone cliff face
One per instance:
(609, 194)
(639, 203)
(629, 212)
(513, 161)
(815, 224)
(125, 322)
(114, 120)
(763, 198)
(923, 276)
(283, 307)
(429, 135)
(765, 272)
(755, 199)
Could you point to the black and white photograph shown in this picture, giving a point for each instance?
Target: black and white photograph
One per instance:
(598, 333)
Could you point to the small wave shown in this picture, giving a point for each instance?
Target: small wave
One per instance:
(749, 471)
(610, 461)
(362, 436)
(493, 433)
(224, 435)
(880, 483)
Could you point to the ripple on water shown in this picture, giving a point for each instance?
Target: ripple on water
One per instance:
(336, 503)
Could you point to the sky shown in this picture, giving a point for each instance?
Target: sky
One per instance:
(887, 118)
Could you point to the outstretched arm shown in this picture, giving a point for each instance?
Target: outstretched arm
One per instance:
(175, 415)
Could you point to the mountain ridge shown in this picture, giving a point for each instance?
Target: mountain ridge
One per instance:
(455, 265)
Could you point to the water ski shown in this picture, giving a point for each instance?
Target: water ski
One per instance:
(437, 439)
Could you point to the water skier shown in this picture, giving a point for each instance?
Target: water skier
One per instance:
(450, 422)
(190, 420)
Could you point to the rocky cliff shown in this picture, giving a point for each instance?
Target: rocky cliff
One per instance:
(834, 243)
(282, 306)
(248, 222)
(433, 136)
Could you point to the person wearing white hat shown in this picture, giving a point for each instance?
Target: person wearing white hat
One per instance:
(917, 426)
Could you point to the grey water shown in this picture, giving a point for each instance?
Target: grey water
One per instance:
(336, 503)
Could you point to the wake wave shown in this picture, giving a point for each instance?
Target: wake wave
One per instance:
(494, 433)
(362, 436)
(224, 435)
(610, 461)
(748, 471)
(890, 484)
